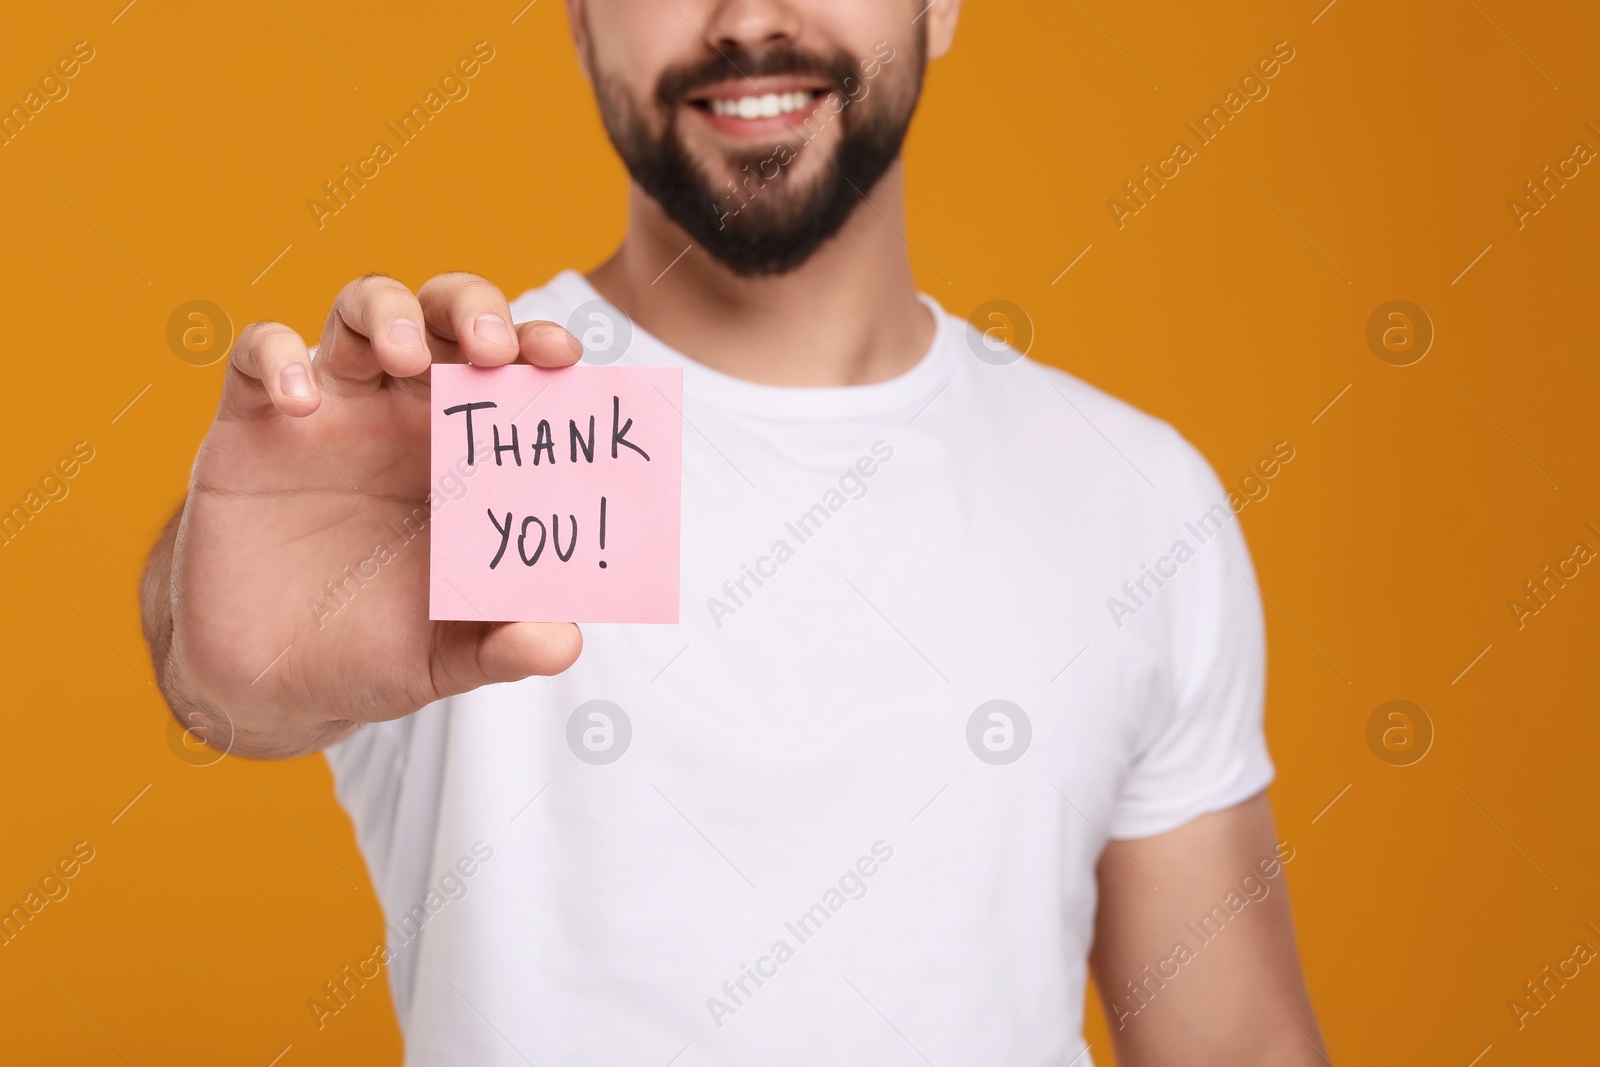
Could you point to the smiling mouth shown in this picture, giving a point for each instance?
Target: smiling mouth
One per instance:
(763, 106)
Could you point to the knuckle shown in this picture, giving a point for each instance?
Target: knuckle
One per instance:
(453, 277)
(462, 289)
(380, 285)
(369, 294)
(276, 335)
(260, 336)
(365, 282)
(377, 289)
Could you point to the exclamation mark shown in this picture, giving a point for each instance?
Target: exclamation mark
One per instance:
(602, 530)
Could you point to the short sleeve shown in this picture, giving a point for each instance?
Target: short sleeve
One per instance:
(1203, 747)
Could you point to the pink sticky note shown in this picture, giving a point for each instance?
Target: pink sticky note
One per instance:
(563, 504)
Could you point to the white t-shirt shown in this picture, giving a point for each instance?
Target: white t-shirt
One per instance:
(808, 836)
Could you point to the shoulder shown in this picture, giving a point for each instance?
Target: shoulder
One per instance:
(1084, 424)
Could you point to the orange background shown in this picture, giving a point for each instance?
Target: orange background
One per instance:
(1234, 305)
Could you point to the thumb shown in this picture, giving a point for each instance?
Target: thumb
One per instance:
(467, 655)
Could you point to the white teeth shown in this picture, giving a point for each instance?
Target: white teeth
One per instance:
(761, 107)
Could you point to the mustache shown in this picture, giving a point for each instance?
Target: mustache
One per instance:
(735, 63)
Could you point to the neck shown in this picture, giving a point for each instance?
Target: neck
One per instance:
(849, 315)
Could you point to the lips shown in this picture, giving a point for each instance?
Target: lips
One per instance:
(761, 106)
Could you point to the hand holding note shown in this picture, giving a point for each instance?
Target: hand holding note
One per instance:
(290, 601)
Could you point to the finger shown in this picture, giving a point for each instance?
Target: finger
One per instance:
(542, 344)
(466, 311)
(375, 327)
(468, 655)
(545, 344)
(268, 367)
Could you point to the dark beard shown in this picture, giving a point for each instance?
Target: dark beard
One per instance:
(779, 235)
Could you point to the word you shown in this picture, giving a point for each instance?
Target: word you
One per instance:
(1540, 191)
(1542, 589)
(337, 993)
(53, 487)
(53, 888)
(851, 885)
(339, 191)
(854, 90)
(1251, 890)
(1253, 84)
(53, 87)
(1539, 992)
(851, 485)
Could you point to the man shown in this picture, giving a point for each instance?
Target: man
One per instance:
(948, 708)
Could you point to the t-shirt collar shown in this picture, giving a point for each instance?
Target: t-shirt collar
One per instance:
(909, 392)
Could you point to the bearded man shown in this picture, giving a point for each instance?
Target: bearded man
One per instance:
(898, 777)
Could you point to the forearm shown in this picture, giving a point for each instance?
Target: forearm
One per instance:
(255, 732)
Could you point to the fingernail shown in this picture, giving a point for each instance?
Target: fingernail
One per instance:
(405, 332)
(494, 329)
(294, 381)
